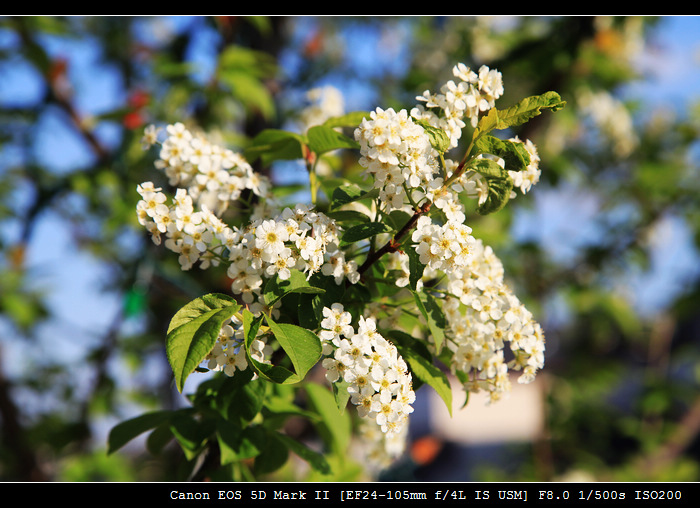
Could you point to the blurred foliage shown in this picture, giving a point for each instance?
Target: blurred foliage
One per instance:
(622, 386)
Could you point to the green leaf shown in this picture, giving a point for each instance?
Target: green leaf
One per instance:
(127, 430)
(239, 399)
(159, 438)
(364, 231)
(335, 425)
(421, 367)
(415, 267)
(275, 144)
(192, 434)
(528, 108)
(273, 373)
(302, 346)
(349, 193)
(439, 139)
(237, 443)
(513, 153)
(352, 119)
(434, 317)
(277, 288)
(316, 460)
(499, 182)
(273, 455)
(518, 114)
(324, 139)
(348, 216)
(193, 331)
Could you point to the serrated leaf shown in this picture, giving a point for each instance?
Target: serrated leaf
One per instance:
(528, 108)
(518, 114)
(193, 331)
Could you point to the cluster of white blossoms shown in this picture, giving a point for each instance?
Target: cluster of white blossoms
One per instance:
(460, 100)
(396, 152)
(296, 239)
(443, 247)
(483, 315)
(213, 176)
(228, 354)
(379, 382)
(272, 245)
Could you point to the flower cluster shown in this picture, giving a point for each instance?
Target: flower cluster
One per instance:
(212, 175)
(446, 247)
(228, 354)
(379, 382)
(272, 244)
(483, 315)
(396, 153)
(297, 238)
(459, 101)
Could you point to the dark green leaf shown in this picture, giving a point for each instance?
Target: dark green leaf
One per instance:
(276, 288)
(273, 455)
(364, 231)
(275, 144)
(350, 193)
(127, 430)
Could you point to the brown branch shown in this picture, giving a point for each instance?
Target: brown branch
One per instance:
(393, 244)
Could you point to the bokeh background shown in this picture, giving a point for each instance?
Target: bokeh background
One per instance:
(604, 250)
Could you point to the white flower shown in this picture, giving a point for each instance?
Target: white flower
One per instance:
(379, 381)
